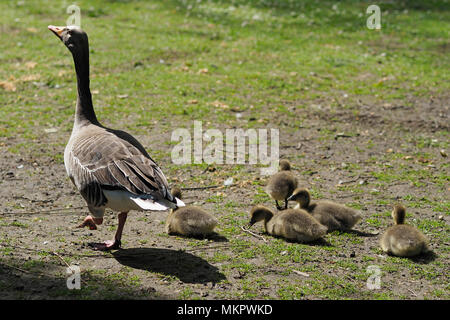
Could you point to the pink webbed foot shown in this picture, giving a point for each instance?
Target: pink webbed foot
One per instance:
(106, 246)
(88, 222)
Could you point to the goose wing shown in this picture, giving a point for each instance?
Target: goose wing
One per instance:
(107, 161)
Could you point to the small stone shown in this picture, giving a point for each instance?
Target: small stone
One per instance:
(228, 182)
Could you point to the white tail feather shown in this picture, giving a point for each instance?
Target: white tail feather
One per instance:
(148, 204)
(180, 203)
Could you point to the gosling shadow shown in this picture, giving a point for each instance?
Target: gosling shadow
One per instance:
(212, 237)
(321, 242)
(424, 258)
(185, 266)
(360, 233)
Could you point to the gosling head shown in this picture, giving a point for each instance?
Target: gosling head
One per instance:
(285, 165)
(302, 196)
(259, 213)
(399, 214)
(176, 192)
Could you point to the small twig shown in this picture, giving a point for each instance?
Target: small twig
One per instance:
(300, 273)
(207, 248)
(68, 210)
(68, 266)
(349, 278)
(13, 267)
(215, 247)
(206, 169)
(200, 188)
(412, 292)
(350, 181)
(60, 258)
(208, 187)
(253, 234)
(345, 195)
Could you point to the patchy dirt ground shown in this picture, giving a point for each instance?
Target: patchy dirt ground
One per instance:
(368, 157)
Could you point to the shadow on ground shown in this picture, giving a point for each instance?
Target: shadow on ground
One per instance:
(185, 266)
(49, 281)
(425, 258)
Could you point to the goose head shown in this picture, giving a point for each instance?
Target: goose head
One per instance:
(399, 214)
(73, 37)
(259, 213)
(301, 196)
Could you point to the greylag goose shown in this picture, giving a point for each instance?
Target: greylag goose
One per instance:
(403, 240)
(292, 224)
(189, 221)
(110, 168)
(282, 184)
(332, 215)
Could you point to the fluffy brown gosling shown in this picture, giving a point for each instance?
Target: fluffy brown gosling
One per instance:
(282, 184)
(292, 224)
(403, 240)
(189, 221)
(332, 215)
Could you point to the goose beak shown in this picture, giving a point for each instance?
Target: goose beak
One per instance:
(290, 198)
(56, 30)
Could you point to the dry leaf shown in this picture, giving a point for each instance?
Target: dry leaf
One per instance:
(8, 86)
(219, 104)
(62, 73)
(203, 71)
(30, 64)
(423, 160)
(30, 77)
(193, 101)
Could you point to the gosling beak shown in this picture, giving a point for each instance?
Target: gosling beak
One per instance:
(56, 30)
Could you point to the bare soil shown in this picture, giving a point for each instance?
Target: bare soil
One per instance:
(41, 208)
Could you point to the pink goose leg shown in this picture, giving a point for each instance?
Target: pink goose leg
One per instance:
(113, 244)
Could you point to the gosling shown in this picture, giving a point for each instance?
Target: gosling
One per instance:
(332, 215)
(292, 224)
(189, 221)
(282, 184)
(403, 240)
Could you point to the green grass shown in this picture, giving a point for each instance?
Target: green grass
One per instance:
(262, 58)
(256, 54)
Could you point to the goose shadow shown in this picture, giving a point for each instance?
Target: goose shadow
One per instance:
(183, 265)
